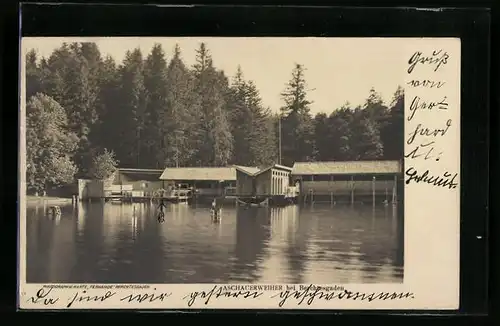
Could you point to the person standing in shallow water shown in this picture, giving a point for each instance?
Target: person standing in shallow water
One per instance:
(215, 209)
(161, 214)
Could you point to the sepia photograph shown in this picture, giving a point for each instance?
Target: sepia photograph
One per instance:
(214, 160)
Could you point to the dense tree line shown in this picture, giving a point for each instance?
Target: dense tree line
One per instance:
(86, 113)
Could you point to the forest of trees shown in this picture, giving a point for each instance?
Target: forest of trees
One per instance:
(86, 114)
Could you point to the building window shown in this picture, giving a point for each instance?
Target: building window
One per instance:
(144, 185)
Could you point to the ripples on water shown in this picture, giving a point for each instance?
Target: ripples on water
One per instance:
(124, 243)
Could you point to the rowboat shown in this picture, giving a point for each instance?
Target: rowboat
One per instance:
(253, 201)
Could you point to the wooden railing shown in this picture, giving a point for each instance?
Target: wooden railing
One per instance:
(327, 187)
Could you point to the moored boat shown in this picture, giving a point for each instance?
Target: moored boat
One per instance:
(253, 201)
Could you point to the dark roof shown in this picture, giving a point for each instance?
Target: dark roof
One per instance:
(150, 171)
(141, 174)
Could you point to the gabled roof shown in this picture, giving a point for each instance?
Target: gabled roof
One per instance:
(201, 173)
(256, 171)
(346, 167)
(246, 169)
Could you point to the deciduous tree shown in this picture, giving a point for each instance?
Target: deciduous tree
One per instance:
(103, 165)
(49, 144)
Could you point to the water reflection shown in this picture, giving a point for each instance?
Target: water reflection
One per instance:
(115, 242)
(252, 235)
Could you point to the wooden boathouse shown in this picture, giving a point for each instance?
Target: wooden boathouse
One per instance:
(123, 183)
(145, 180)
(204, 181)
(271, 183)
(348, 181)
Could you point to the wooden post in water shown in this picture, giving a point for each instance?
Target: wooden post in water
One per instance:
(312, 190)
(352, 190)
(386, 193)
(394, 190)
(331, 190)
(373, 191)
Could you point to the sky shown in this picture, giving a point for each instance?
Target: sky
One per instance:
(338, 70)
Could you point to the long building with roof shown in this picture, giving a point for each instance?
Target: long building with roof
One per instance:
(351, 179)
(313, 181)
(209, 181)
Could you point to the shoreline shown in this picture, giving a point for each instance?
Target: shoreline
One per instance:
(34, 200)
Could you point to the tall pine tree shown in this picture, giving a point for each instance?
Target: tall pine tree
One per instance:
(107, 132)
(215, 140)
(297, 131)
(240, 119)
(262, 146)
(155, 82)
(182, 116)
(33, 74)
(393, 133)
(132, 118)
(341, 135)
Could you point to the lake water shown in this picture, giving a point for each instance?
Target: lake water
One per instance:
(125, 243)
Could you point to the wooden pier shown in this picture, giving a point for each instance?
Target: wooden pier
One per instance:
(144, 199)
(172, 195)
